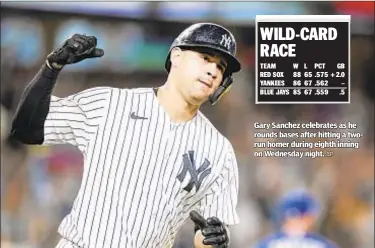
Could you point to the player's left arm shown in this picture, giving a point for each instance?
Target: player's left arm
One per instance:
(218, 207)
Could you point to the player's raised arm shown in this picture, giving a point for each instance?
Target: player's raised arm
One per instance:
(219, 205)
(41, 118)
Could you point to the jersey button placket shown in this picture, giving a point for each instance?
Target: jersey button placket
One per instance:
(166, 160)
(171, 134)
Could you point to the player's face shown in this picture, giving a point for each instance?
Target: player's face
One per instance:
(303, 223)
(201, 74)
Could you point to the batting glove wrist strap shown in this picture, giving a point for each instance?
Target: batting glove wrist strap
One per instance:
(75, 49)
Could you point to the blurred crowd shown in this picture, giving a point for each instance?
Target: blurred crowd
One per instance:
(39, 184)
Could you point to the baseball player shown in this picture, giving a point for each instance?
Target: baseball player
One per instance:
(296, 214)
(151, 158)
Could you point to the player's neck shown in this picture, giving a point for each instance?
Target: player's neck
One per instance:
(177, 108)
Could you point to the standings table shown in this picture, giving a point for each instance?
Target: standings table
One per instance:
(302, 59)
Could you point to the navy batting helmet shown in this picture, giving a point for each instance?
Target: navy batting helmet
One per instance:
(215, 37)
(297, 203)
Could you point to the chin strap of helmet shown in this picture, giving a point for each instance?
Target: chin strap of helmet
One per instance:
(223, 88)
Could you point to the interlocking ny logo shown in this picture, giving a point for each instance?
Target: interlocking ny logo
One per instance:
(189, 166)
(225, 41)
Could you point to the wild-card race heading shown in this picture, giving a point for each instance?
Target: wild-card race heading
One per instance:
(302, 59)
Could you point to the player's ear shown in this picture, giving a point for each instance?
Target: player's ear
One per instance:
(176, 55)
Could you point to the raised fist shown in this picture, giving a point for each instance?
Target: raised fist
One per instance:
(76, 48)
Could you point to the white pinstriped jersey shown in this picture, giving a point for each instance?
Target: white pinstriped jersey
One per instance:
(143, 173)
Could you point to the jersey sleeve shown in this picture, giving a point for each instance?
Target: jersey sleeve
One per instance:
(221, 201)
(74, 119)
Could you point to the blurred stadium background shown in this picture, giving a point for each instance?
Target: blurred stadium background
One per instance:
(38, 184)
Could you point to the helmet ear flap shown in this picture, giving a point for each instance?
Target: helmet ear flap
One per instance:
(222, 90)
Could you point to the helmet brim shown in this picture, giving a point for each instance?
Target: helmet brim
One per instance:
(233, 64)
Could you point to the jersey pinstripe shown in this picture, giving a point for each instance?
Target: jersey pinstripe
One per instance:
(141, 170)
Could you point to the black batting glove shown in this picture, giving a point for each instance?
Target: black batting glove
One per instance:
(76, 48)
(213, 230)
